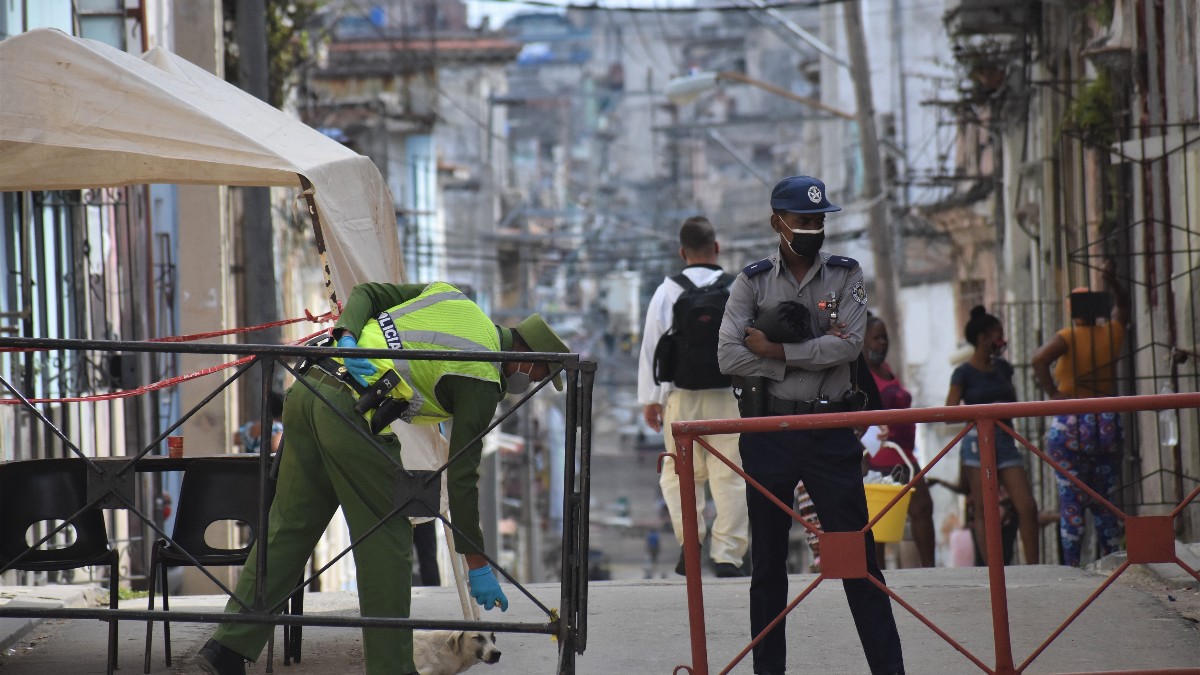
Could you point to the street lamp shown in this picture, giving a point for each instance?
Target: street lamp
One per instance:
(684, 90)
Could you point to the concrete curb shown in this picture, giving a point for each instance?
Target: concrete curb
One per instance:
(1168, 573)
(42, 597)
(1175, 575)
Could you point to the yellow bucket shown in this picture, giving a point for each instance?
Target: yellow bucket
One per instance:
(890, 527)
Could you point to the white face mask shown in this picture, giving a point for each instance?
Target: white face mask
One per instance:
(519, 381)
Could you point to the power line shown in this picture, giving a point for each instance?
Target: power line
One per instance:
(693, 9)
(597, 7)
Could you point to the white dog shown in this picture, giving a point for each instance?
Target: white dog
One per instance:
(444, 652)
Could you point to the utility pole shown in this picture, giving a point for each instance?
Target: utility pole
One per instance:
(887, 283)
(799, 32)
(260, 302)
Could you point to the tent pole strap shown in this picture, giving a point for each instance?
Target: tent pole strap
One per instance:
(307, 187)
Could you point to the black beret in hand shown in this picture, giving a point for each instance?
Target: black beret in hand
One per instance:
(786, 322)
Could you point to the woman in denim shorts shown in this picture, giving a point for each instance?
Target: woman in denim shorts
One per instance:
(987, 378)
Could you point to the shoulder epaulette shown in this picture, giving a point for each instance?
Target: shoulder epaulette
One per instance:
(841, 261)
(757, 267)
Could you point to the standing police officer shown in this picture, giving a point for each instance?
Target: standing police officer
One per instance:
(327, 464)
(825, 295)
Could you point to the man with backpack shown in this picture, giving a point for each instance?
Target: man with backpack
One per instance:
(679, 379)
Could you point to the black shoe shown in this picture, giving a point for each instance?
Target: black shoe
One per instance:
(728, 570)
(215, 658)
(680, 569)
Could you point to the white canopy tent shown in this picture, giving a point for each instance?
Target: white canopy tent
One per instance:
(76, 113)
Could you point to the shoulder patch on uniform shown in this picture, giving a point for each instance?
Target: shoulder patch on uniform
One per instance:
(841, 261)
(757, 267)
(859, 293)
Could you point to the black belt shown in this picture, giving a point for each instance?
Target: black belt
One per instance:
(370, 397)
(783, 406)
(327, 366)
(322, 376)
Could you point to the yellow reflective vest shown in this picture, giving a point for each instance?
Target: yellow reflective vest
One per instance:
(440, 318)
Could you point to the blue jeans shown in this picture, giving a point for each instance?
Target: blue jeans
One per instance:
(1007, 454)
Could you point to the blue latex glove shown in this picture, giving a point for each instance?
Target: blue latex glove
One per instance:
(359, 368)
(486, 590)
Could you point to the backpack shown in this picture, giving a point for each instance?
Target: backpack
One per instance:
(687, 354)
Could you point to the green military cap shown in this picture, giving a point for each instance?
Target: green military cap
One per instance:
(541, 338)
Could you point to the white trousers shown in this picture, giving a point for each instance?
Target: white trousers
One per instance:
(730, 528)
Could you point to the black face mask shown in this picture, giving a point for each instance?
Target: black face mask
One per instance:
(806, 243)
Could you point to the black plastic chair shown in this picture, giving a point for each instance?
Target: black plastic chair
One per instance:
(40, 490)
(213, 490)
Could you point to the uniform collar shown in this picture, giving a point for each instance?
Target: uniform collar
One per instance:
(776, 259)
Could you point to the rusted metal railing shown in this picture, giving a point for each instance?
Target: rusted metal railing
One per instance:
(1149, 539)
(110, 484)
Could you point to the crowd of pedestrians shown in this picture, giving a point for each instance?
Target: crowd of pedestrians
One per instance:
(793, 324)
(794, 335)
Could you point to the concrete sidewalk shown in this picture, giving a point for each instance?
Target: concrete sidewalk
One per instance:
(642, 627)
(12, 630)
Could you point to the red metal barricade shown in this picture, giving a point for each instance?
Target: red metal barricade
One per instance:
(1149, 539)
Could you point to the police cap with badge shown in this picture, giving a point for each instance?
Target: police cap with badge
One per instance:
(801, 194)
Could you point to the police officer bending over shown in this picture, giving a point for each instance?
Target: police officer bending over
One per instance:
(327, 464)
(820, 301)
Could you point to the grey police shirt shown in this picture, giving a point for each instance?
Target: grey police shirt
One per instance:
(815, 368)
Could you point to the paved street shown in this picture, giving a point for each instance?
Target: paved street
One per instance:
(626, 498)
(1148, 619)
(641, 627)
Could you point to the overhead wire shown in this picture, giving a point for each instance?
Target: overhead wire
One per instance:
(363, 14)
(662, 31)
(693, 9)
(682, 9)
(909, 158)
(637, 29)
(648, 53)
